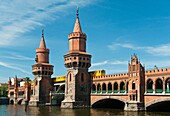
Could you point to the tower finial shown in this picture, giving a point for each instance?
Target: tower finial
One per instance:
(77, 12)
(42, 32)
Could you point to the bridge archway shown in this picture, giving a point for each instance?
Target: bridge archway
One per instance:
(159, 85)
(161, 104)
(109, 103)
(11, 101)
(20, 101)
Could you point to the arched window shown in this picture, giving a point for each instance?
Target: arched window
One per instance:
(103, 88)
(109, 88)
(133, 85)
(98, 88)
(127, 85)
(70, 77)
(167, 85)
(93, 88)
(159, 86)
(149, 86)
(115, 87)
(122, 87)
(82, 77)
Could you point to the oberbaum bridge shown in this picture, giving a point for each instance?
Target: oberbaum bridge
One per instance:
(136, 90)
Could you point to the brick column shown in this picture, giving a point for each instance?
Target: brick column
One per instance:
(154, 87)
(107, 88)
(125, 86)
(112, 87)
(163, 86)
(146, 87)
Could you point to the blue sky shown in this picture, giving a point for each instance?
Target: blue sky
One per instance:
(115, 29)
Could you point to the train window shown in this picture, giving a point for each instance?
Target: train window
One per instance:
(74, 58)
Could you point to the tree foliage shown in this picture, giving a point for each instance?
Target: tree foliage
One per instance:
(4, 90)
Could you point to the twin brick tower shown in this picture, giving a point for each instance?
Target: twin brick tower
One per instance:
(77, 62)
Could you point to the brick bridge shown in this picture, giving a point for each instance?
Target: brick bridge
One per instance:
(18, 90)
(136, 90)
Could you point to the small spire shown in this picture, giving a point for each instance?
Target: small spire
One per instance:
(77, 12)
(42, 32)
(77, 27)
(42, 42)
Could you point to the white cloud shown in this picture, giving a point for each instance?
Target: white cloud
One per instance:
(161, 50)
(106, 62)
(14, 67)
(16, 57)
(99, 63)
(21, 16)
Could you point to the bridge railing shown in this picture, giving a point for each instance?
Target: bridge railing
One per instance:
(159, 90)
(109, 91)
(167, 91)
(149, 90)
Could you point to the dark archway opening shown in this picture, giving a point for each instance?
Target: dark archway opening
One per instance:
(12, 102)
(103, 88)
(160, 106)
(122, 87)
(109, 88)
(109, 103)
(61, 89)
(20, 101)
(159, 86)
(93, 88)
(115, 87)
(98, 88)
(149, 86)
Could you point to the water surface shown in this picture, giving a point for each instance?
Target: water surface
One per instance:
(19, 110)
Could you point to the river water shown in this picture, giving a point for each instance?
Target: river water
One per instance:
(19, 110)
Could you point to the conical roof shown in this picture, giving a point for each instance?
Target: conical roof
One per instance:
(42, 42)
(77, 26)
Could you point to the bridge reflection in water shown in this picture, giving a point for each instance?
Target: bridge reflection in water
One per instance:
(18, 110)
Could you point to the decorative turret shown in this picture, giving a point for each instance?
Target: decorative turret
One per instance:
(42, 71)
(77, 62)
(77, 56)
(77, 39)
(42, 53)
(136, 85)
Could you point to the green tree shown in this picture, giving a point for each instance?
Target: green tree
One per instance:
(4, 90)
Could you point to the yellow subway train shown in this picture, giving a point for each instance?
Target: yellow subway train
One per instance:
(97, 73)
(59, 79)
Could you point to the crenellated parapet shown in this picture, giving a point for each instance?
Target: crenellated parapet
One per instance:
(157, 71)
(77, 35)
(111, 76)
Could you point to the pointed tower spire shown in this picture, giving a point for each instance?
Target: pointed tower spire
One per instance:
(77, 27)
(42, 42)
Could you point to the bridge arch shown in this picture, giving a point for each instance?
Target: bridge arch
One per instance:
(20, 101)
(11, 101)
(155, 103)
(118, 103)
